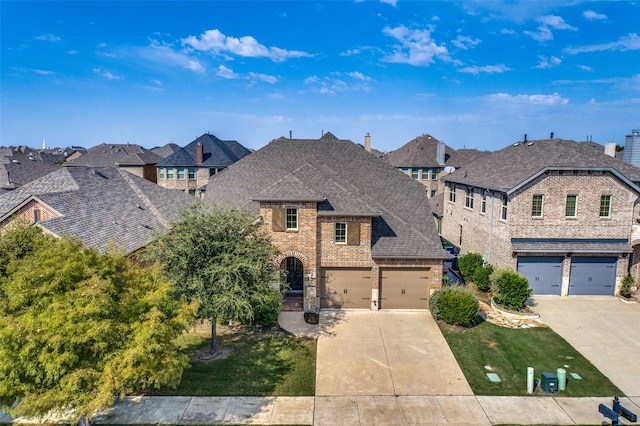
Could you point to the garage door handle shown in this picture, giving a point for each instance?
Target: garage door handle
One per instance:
(555, 285)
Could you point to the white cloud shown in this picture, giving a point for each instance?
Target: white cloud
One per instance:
(334, 83)
(416, 47)
(43, 72)
(629, 42)
(227, 73)
(543, 32)
(487, 69)
(464, 42)
(217, 43)
(550, 62)
(593, 16)
(391, 2)
(263, 77)
(106, 74)
(350, 52)
(164, 54)
(358, 76)
(554, 99)
(48, 37)
(508, 31)
(585, 68)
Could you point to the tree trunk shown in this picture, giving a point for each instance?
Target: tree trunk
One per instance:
(214, 340)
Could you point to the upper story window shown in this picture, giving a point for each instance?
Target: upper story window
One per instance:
(180, 173)
(161, 172)
(468, 199)
(425, 173)
(405, 170)
(341, 233)
(571, 206)
(414, 173)
(292, 218)
(483, 203)
(434, 174)
(433, 193)
(169, 172)
(192, 173)
(452, 193)
(605, 206)
(36, 216)
(537, 205)
(503, 214)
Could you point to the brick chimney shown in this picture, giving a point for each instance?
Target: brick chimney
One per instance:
(367, 142)
(199, 154)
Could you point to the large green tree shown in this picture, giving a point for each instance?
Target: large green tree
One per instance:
(222, 259)
(79, 328)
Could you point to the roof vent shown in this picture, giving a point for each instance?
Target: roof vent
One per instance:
(15, 161)
(98, 173)
(530, 143)
(516, 144)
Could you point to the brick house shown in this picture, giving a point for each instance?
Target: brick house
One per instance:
(100, 206)
(353, 232)
(188, 169)
(425, 158)
(562, 213)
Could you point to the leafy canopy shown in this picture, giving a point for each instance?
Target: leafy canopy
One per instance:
(78, 328)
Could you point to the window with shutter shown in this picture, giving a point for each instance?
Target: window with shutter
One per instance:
(353, 233)
(277, 220)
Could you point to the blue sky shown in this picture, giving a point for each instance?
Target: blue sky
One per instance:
(475, 74)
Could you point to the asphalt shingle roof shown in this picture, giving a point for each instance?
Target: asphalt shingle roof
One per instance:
(101, 206)
(19, 169)
(505, 169)
(353, 181)
(419, 152)
(217, 153)
(112, 154)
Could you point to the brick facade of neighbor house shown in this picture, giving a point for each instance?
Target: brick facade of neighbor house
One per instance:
(33, 211)
(384, 220)
(538, 186)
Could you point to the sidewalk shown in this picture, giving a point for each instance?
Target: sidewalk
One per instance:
(357, 410)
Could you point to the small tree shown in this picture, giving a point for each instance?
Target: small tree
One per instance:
(454, 305)
(625, 286)
(222, 259)
(468, 264)
(481, 277)
(510, 289)
(78, 328)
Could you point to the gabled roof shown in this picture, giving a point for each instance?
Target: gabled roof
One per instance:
(420, 152)
(165, 150)
(509, 167)
(217, 153)
(112, 154)
(19, 169)
(101, 206)
(350, 180)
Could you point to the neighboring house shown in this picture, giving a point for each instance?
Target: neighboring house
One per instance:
(166, 150)
(425, 159)
(100, 206)
(17, 168)
(353, 232)
(189, 168)
(561, 212)
(132, 158)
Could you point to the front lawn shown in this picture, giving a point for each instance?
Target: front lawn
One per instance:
(254, 362)
(508, 353)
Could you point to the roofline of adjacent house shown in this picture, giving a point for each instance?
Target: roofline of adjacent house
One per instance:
(510, 190)
(360, 214)
(565, 250)
(289, 200)
(23, 203)
(445, 255)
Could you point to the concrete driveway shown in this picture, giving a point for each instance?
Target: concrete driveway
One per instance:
(605, 330)
(385, 353)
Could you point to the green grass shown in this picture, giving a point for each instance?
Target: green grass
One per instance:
(510, 351)
(260, 363)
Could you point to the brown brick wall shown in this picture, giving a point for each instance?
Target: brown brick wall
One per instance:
(334, 255)
(186, 184)
(26, 213)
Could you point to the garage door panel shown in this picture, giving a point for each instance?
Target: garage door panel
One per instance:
(346, 289)
(593, 276)
(404, 289)
(544, 273)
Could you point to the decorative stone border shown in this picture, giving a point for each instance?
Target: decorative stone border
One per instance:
(513, 315)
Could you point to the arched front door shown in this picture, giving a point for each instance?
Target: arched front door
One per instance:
(294, 274)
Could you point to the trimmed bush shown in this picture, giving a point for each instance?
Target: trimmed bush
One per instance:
(268, 311)
(468, 264)
(454, 305)
(625, 286)
(510, 289)
(481, 277)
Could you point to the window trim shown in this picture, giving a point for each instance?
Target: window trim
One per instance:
(337, 232)
(452, 194)
(468, 197)
(609, 198)
(160, 172)
(540, 209)
(575, 206)
(180, 173)
(504, 213)
(483, 203)
(290, 212)
(415, 173)
(425, 173)
(170, 174)
(191, 173)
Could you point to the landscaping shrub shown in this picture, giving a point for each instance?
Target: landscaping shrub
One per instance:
(625, 286)
(481, 277)
(268, 311)
(468, 264)
(454, 305)
(510, 289)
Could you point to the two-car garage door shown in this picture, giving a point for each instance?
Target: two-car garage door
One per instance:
(588, 276)
(400, 288)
